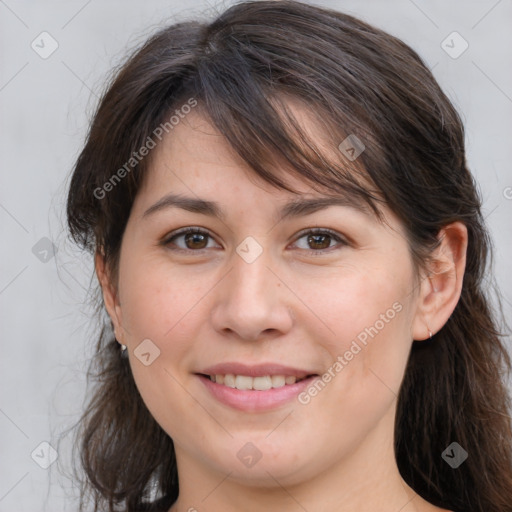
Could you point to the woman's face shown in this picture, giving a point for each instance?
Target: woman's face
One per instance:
(259, 302)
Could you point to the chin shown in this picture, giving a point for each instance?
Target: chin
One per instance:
(265, 463)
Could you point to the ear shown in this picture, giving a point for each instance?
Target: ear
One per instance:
(440, 289)
(110, 295)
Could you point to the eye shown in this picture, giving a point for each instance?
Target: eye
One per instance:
(320, 239)
(194, 239)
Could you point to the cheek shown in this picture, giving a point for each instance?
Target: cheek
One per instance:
(369, 318)
(164, 306)
(162, 315)
(156, 299)
(363, 306)
(368, 353)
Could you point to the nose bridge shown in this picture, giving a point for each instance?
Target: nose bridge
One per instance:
(251, 299)
(252, 283)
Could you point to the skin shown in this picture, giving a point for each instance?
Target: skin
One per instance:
(288, 306)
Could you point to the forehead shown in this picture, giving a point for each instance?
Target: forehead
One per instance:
(194, 153)
(194, 149)
(195, 168)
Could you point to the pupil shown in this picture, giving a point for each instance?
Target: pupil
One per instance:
(313, 239)
(195, 238)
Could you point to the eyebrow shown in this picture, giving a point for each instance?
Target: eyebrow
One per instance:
(295, 208)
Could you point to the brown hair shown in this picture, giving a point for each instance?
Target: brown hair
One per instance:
(358, 80)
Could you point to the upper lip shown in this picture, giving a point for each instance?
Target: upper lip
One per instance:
(257, 370)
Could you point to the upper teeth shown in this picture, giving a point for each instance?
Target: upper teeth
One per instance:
(259, 383)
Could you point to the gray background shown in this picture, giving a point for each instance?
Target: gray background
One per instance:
(45, 106)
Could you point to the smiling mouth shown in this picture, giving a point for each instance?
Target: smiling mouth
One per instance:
(262, 383)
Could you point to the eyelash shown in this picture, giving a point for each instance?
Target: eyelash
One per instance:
(311, 231)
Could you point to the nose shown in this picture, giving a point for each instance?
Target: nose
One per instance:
(253, 302)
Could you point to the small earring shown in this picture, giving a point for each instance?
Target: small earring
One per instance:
(124, 351)
(430, 334)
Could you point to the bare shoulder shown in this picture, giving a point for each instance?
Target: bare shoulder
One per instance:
(425, 506)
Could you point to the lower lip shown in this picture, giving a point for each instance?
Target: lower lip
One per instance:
(254, 400)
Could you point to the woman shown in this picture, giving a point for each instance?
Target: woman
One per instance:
(291, 252)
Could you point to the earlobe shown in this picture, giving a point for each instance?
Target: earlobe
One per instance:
(110, 296)
(440, 289)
